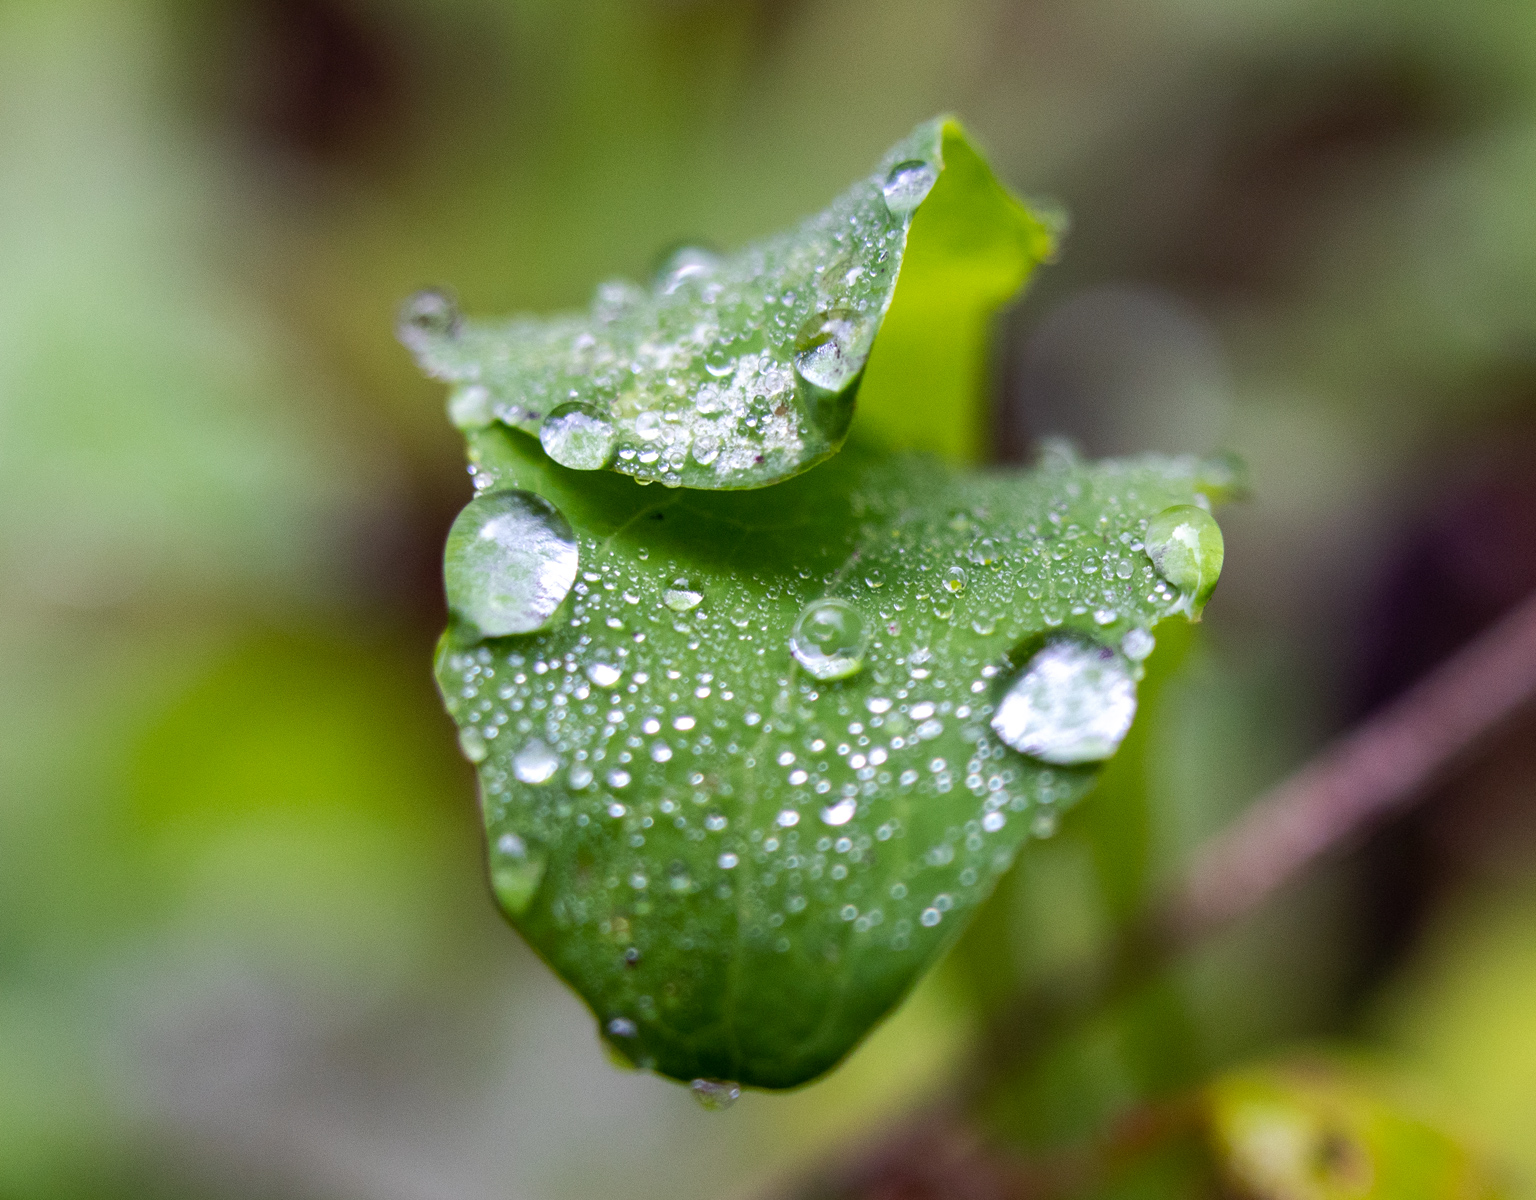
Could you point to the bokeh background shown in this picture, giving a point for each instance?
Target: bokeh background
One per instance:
(246, 948)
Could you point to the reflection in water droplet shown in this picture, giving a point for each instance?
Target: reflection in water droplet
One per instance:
(954, 580)
(714, 1095)
(577, 436)
(516, 872)
(1185, 545)
(535, 763)
(829, 639)
(682, 595)
(428, 315)
(510, 561)
(908, 185)
(840, 813)
(472, 744)
(1137, 644)
(1073, 703)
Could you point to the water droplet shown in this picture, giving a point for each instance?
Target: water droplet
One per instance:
(828, 355)
(510, 562)
(840, 813)
(1185, 545)
(427, 316)
(516, 872)
(472, 744)
(878, 705)
(535, 763)
(604, 675)
(622, 1027)
(727, 861)
(908, 185)
(1137, 644)
(829, 639)
(682, 595)
(874, 578)
(578, 436)
(1072, 704)
(706, 448)
(714, 1095)
(683, 264)
(954, 580)
(719, 362)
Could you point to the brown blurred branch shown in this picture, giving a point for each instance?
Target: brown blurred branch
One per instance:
(1378, 769)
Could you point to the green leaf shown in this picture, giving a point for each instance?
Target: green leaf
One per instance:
(742, 370)
(741, 865)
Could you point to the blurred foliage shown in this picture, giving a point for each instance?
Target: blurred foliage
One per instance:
(244, 945)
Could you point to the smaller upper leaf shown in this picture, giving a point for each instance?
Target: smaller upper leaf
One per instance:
(741, 370)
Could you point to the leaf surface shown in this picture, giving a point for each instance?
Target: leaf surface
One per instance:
(737, 371)
(742, 866)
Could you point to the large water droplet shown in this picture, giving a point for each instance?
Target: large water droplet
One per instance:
(510, 561)
(428, 315)
(682, 595)
(829, 639)
(827, 353)
(1073, 703)
(516, 872)
(908, 185)
(1185, 545)
(714, 1095)
(578, 436)
(535, 763)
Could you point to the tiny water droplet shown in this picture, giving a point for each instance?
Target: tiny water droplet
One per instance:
(684, 264)
(954, 580)
(908, 185)
(472, 744)
(1137, 644)
(427, 316)
(1073, 703)
(604, 675)
(578, 436)
(874, 578)
(719, 362)
(829, 639)
(706, 448)
(622, 1027)
(516, 872)
(682, 595)
(535, 763)
(1185, 545)
(840, 813)
(510, 562)
(714, 1095)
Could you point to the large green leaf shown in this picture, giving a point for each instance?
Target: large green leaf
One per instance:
(737, 371)
(739, 865)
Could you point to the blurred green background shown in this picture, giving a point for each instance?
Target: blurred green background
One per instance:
(246, 948)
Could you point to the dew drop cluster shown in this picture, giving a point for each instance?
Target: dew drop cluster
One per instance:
(725, 371)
